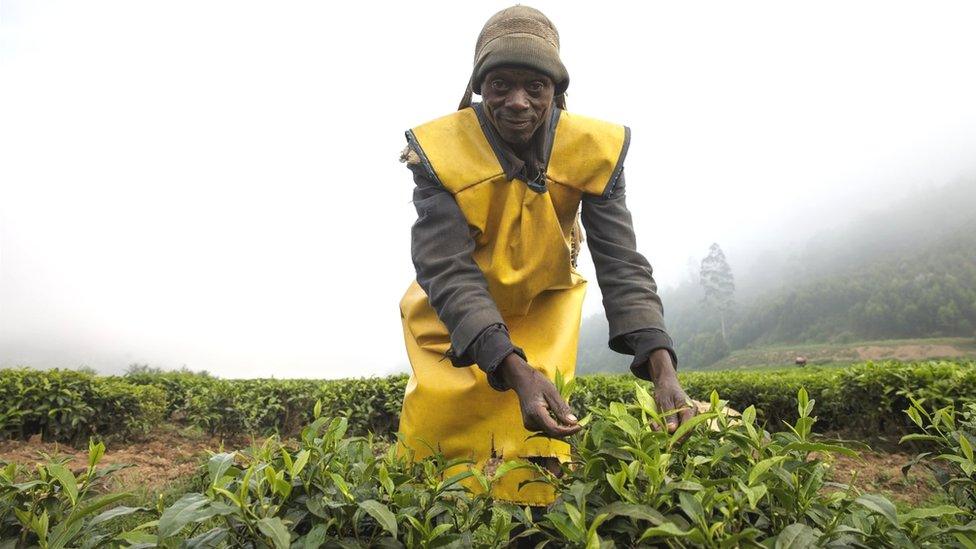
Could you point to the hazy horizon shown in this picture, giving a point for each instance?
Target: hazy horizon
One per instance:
(215, 184)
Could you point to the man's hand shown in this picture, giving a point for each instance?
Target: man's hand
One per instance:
(537, 398)
(667, 390)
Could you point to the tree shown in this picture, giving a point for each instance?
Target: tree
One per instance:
(718, 284)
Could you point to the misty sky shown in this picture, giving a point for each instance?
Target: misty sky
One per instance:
(216, 185)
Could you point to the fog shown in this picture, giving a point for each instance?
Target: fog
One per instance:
(215, 184)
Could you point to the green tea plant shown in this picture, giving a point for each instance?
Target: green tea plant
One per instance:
(875, 395)
(717, 481)
(950, 436)
(723, 482)
(332, 489)
(70, 406)
(54, 508)
(867, 397)
(262, 406)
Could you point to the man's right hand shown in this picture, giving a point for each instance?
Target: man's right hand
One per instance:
(537, 398)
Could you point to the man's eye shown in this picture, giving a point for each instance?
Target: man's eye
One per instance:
(499, 84)
(536, 86)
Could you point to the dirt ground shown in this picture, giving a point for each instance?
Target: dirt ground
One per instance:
(165, 455)
(881, 472)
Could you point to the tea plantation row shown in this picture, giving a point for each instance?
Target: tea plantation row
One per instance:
(717, 482)
(71, 406)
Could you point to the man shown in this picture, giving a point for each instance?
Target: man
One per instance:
(498, 187)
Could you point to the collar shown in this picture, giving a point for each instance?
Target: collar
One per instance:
(531, 166)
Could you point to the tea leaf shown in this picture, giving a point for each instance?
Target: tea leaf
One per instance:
(385, 480)
(930, 512)
(316, 537)
(508, 466)
(210, 538)
(219, 464)
(114, 512)
(967, 449)
(692, 507)
(301, 460)
(66, 479)
(760, 468)
(881, 505)
(65, 530)
(95, 452)
(382, 514)
(796, 536)
(687, 426)
(645, 399)
(634, 511)
(189, 508)
(451, 481)
(275, 529)
(568, 530)
(666, 530)
(807, 447)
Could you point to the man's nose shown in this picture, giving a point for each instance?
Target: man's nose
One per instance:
(518, 100)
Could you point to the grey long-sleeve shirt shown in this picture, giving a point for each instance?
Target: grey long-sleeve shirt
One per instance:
(442, 246)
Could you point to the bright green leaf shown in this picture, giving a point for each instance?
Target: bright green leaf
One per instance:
(66, 479)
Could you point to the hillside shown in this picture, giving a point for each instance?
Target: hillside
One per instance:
(908, 272)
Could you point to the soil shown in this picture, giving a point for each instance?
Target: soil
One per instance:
(162, 457)
(882, 472)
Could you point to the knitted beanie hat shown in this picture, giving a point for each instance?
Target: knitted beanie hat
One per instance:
(518, 36)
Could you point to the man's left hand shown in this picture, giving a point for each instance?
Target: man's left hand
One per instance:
(668, 393)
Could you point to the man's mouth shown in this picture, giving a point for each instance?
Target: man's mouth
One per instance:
(517, 124)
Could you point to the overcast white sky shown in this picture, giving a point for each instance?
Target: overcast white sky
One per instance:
(216, 185)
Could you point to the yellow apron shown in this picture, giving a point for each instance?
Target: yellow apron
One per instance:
(522, 245)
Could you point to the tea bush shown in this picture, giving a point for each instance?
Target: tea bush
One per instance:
(53, 507)
(867, 397)
(224, 406)
(716, 482)
(950, 437)
(873, 395)
(67, 405)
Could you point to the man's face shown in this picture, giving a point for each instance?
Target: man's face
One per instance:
(517, 101)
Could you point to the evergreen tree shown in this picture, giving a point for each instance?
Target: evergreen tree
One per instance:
(718, 284)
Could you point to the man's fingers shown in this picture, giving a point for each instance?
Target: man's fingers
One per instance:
(686, 414)
(548, 425)
(666, 405)
(560, 409)
(544, 420)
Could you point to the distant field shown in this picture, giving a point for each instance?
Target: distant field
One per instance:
(842, 354)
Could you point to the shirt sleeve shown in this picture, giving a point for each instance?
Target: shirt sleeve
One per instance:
(441, 248)
(634, 309)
